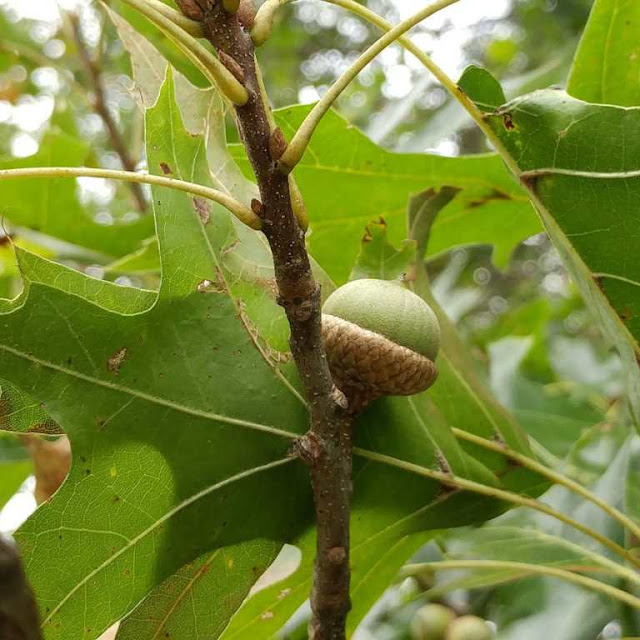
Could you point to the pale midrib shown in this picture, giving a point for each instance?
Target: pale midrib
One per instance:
(445, 176)
(159, 521)
(255, 426)
(580, 173)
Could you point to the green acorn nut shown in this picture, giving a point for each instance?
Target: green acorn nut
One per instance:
(469, 628)
(431, 622)
(381, 339)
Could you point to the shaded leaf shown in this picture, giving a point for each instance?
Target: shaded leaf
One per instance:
(198, 601)
(347, 181)
(181, 409)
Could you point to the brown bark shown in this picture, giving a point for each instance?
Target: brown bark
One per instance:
(326, 448)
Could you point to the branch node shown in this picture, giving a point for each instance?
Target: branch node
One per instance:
(309, 448)
(337, 555)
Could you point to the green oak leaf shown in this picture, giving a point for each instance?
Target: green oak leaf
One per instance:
(485, 89)
(568, 153)
(606, 66)
(380, 260)
(181, 408)
(171, 411)
(347, 181)
(200, 599)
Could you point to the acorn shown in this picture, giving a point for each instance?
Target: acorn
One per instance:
(469, 628)
(431, 622)
(381, 340)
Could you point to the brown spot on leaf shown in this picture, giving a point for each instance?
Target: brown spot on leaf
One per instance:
(116, 360)
(508, 122)
(166, 169)
(626, 314)
(598, 281)
(203, 209)
(216, 285)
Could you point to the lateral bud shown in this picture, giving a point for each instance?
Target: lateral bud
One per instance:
(191, 9)
(277, 144)
(257, 207)
(233, 66)
(247, 14)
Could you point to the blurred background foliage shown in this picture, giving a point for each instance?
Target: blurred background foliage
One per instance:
(544, 356)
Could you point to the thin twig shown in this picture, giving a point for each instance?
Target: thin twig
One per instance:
(243, 213)
(326, 448)
(102, 109)
(211, 67)
(526, 568)
(558, 478)
(302, 137)
(507, 496)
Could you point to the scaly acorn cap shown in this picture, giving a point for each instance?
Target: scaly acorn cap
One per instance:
(381, 339)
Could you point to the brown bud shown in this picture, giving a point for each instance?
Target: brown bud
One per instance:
(247, 14)
(277, 144)
(257, 207)
(191, 9)
(231, 64)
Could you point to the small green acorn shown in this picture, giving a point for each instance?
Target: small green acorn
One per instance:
(381, 339)
(431, 622)
(469, 628)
